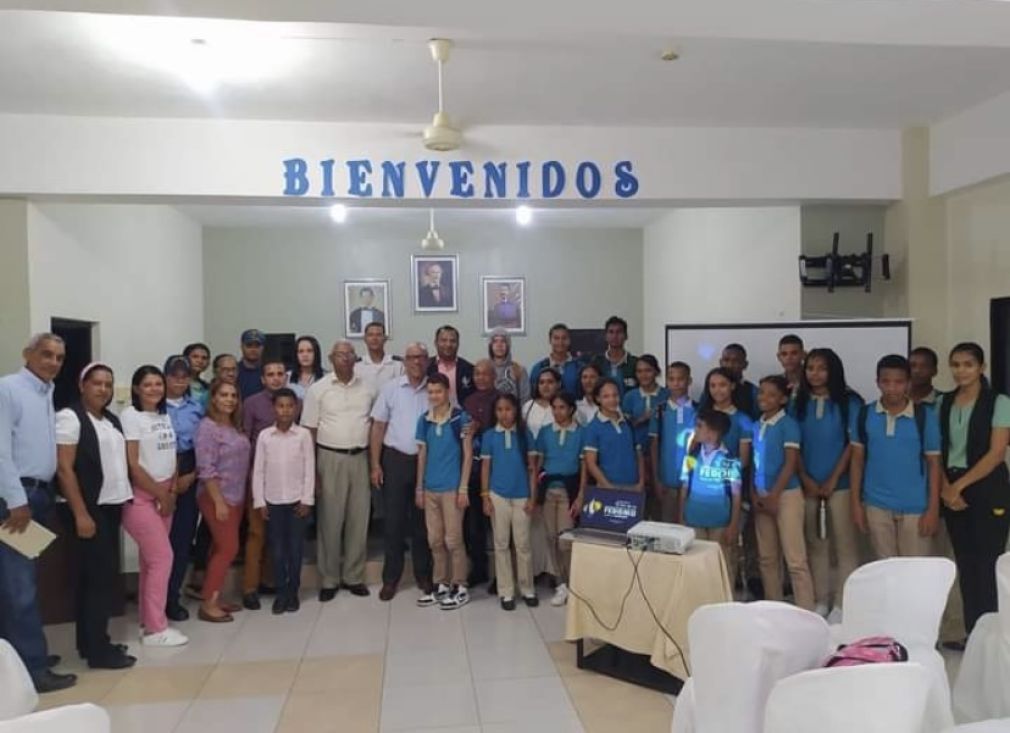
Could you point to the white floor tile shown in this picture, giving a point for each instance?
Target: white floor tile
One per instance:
(550, 621)
(149, 718)
(246, 714)
(507, 661)
(406, 708)
(411, 668)
(532, 701)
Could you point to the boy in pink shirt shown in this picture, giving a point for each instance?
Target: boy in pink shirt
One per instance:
(283, 489)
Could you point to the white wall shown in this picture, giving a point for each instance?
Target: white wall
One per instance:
(135, 270)
(970, 147)
(291, 280)
(720, 265)
(14, 312)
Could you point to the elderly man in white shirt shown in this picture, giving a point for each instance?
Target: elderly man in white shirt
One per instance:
(376, 366)
(337, 411)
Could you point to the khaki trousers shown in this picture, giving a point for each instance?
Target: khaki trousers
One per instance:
(558, 520)
(782, 535)
(729, 549)
(509, 519)
(342, 509)
(896, 535)
(444, 521)
(841, 537)
(257, 560)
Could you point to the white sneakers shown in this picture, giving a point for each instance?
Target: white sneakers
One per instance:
(458, 598)
(435, 597)
(560, 595)
(821, 609)
(166, 638)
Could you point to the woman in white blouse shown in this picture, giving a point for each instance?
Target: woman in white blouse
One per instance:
(93, 478)
(537, 411)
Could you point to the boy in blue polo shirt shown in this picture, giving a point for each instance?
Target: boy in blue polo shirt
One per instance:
(505, 492)
(710, 501)
(778, 501)
(670, 432)
(560, 360)
(613, 457)
(444, 459)
(895, 470)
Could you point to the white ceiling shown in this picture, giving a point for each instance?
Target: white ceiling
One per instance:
(81, 64)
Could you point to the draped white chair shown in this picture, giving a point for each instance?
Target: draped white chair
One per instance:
(871, 698)
(982, 689)
(17, 693)
(738, 651)
(86, 718)
(902, 597)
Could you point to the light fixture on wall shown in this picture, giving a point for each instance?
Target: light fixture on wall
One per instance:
(431, 240)
(524, 215)
(338, 213)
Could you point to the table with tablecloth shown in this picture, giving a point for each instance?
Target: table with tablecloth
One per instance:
(675, 585)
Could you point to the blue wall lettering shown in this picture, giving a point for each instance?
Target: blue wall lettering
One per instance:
(591, 188)
(553, 179)
(426, 172)
(296, 183)
(461, 171)
(392, 179)
(494, 175)
(627, 182)
(327, 168)
(358, 171)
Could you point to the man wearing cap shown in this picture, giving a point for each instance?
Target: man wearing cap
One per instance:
(249, 368)
(27, 467)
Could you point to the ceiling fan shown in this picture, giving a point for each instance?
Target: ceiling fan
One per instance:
(440, 135)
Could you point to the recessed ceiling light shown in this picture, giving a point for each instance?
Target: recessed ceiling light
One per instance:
(338, 212)
(524, 215)
(669, 54)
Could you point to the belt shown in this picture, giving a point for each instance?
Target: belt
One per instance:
(34, 483)
(399, 453)
(343, 451)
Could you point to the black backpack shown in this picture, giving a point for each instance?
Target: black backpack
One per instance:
(920, 426)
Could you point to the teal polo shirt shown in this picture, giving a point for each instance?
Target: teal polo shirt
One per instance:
(505, 450)
(771, 438)
(560, 448)
(895, 477)
(615, 447)
(824, 436)
(673, 425)
(636, 403)
(442, 469)
(713, 478)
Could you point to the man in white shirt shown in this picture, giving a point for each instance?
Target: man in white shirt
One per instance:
(377, 367)
(337, 411)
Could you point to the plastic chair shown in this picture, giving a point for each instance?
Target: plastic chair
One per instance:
(902, 597)
(873, 698)
(17, 693)
(85, 718)
(738, 652)
(982, 689)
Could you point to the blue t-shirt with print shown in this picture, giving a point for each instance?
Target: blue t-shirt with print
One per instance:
(672, 425)
(771, 438)
(615, 448)
(442, 469)
(712, 478)
(507, 454)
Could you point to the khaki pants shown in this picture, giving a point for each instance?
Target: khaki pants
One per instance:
(841, 537)
(257, 560)
(729, 549)
(558, 520)
(780, 535)
(510, 519)
(444, 521)
(896, 535)
(342, 517)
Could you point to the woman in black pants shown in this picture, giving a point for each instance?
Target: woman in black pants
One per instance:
(93, 478)
(975, 425)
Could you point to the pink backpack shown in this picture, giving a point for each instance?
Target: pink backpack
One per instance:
(871, 650)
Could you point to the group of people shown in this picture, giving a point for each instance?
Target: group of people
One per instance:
(789, 471)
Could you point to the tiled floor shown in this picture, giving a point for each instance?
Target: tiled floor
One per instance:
(361, 665)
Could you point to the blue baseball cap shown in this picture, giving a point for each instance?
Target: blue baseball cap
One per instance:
(253, 336)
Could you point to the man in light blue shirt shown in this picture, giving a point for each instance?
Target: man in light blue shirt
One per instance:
(27, 467)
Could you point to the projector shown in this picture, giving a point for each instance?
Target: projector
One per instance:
(673, 539)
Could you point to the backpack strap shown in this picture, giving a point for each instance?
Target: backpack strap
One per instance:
(861, 427)
(660, 411)
(920, 426)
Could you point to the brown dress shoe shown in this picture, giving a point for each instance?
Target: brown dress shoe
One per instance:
(387, 592)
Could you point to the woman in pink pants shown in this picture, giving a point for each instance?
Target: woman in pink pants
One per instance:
(150, 456)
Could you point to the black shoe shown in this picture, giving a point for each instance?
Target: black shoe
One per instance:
(266, 590)
(251, 602)
(49, 681)
(112, 659)
(531, 601)
(176, 612)
(327, 594)
(293, 604)
(508, 604)
(280, 605)
(53, 660)
(357, 589)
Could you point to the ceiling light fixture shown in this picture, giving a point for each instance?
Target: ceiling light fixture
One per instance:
(441, 135)
(524, 215)
(338, 213)
(431, 240)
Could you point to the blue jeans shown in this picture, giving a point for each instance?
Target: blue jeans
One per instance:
(181, 536)
(286, 535)
(20, 620)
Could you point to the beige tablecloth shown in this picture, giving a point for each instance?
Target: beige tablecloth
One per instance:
(675, 586)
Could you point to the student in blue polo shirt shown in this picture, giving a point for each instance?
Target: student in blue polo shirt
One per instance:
(444, 459)
(670, 431)
(721, 392)
(710, 501)
(777, 498)
(734, 360)
(556, 480)
(639, 405)
(560, 360)
(507, 500)
(895, 470)
(613, 458)
(823, 407)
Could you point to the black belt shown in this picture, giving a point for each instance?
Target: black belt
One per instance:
(344, 451)
(34, 483)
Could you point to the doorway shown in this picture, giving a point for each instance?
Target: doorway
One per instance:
(77, 337)
(999, 340)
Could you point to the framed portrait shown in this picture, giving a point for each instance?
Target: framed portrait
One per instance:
(503, 303)
(365, 302)
(435, 283)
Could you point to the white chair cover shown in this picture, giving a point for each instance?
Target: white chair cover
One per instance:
(986, 726)
(982, 689)
(85, 718)
(17, 693)
(738, 652)
(902, 597)
(872, 698)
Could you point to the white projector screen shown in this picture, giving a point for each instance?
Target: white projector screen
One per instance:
(859, 344)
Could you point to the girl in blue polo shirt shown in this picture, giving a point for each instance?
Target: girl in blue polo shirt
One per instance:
(670, 431)
(613, 457)
(444, 458)
(776, 495)
(639, 405)
(721, 393)
(555, 480)
(822, 407)
(505, 491)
